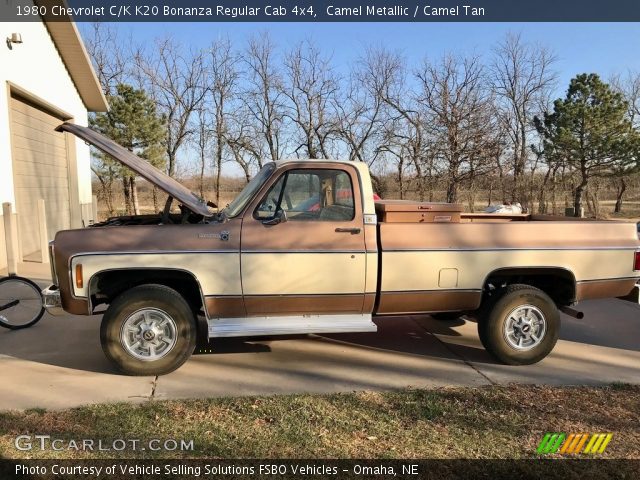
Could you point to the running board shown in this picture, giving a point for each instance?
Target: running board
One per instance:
(256, 326)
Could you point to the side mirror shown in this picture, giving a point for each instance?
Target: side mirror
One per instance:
(279, 217)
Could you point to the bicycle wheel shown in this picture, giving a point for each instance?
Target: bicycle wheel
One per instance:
(20, 303)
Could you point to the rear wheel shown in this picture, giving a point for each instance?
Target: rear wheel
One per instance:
(148, 330)
(521, 326)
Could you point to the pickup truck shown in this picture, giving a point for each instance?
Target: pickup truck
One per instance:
(304, 248)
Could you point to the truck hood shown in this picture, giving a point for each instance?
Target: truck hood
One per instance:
(140, 166)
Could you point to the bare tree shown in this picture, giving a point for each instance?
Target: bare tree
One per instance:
(459, 118)
(224, 76)
(202, 142)
(360, 120)
(176, 80)
(244, 141)
(107, 55)
(629, 87)
(311, 86)
(522, 78)
(264, 97)
(405, 142)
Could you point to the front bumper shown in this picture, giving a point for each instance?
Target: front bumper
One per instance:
(52, 301)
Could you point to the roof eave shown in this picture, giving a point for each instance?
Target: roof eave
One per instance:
(68, 41)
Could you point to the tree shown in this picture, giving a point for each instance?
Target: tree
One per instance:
(264, 98)
(521, 78)
(590, 132)
(224, 76)
(629, 87)
(175, 78)
(460, 120)
(311, 88)
(133, 122)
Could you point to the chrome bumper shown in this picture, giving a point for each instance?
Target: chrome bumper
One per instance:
(52, 301)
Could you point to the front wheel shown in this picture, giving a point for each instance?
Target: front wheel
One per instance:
(148, 330)
(521, 326)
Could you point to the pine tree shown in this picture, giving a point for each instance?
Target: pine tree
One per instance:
(133, 122)
(589, 132)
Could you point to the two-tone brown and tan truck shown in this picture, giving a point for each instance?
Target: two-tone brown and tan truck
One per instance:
(305, 249)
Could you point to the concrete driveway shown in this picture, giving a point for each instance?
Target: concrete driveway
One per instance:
(59, 363)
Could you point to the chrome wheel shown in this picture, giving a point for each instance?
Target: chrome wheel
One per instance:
(148, 334)
(525, 327)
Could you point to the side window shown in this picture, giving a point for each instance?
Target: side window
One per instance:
(310, 195)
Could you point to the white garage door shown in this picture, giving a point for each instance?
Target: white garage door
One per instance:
(40, 170)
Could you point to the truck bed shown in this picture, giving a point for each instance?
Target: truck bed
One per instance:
(444, 264)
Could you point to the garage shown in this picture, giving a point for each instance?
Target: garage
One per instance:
(45, 176)
(41, 165)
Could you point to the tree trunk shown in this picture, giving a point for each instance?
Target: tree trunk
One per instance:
(134, 195)
(577, 200)
(452, 192)
(154, 193)
(490, 193)
(127, 195)
(621, 189)
(201, 179)
(401, 179)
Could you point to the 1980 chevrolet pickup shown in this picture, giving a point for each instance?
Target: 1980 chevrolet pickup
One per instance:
(305, 249)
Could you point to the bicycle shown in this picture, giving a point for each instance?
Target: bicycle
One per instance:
(21, 304)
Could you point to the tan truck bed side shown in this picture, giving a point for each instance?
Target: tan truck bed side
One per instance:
(444, 266)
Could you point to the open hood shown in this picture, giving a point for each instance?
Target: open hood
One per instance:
(140, 166)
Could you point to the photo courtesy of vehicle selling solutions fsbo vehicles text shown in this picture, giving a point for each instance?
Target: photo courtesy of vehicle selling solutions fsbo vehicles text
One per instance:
(369, 239)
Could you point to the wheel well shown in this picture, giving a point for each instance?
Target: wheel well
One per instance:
(107, 285)
(558, 283)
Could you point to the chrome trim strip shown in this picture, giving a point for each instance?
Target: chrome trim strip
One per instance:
(502, 249)
(440, 290)
(617, 279)
(306, 295)
(282, 252)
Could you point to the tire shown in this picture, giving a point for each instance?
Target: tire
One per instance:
(161, 322)
(445, 316)
(21, 304)
(527, 309)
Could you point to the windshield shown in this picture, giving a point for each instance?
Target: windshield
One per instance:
(247, 193)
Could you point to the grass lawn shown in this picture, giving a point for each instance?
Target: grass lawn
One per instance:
(489, 422)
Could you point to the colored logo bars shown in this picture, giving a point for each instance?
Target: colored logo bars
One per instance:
(574, 443)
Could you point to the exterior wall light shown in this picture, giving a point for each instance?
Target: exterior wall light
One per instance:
(14, 38)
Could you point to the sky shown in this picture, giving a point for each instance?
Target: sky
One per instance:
(603, 48)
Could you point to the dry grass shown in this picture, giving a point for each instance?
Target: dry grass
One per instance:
(497, 422)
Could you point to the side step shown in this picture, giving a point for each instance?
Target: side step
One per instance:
(256, 326)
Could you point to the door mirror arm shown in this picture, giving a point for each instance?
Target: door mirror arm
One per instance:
(279, 217)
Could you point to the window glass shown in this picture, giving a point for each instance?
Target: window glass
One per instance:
(236, 206)
(316, 195)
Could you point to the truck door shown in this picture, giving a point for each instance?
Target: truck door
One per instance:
(303, 248)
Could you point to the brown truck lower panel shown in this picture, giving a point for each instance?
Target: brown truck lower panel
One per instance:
(397, 303)
(609, 288)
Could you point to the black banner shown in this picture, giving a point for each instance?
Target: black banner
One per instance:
(322, 10)
(584, 468)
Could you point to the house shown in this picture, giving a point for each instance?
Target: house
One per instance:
(46, 78)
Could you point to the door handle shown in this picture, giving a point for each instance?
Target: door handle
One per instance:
(352, 231)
